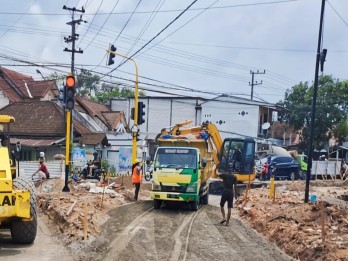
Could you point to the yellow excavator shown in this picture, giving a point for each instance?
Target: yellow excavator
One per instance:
(18, 210)
(223, 150)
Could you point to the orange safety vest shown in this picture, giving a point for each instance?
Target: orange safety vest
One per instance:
(136, 175)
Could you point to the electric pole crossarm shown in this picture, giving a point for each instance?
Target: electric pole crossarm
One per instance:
(252, 84)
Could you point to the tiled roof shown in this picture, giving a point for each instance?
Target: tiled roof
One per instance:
(93, 139)
(36, 118)
(92, 108)
(15, 84)
(41, 88)
(112, 118)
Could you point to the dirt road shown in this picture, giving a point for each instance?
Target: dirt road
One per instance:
(138, 232)
(46, 246)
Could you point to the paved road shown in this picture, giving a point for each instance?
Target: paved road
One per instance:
(46, 247)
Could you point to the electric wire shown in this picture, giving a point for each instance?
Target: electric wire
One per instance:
(153, 38)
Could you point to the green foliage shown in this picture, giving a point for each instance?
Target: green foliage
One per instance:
(87, 83)
(331, 110)
(88, 86)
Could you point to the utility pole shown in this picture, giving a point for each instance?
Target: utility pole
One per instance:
(74, 36)
(69, 128)
(320, 57)
(252, 84)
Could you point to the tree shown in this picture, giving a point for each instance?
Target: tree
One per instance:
(87, 83)
(331, 110)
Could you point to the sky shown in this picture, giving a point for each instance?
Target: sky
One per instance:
(193, 48)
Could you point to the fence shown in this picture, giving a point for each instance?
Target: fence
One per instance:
(326, 169)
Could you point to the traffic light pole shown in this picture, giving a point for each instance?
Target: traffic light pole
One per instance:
(136, 109)
(67, 150)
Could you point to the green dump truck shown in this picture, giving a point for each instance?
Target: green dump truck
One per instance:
(186, 158)
(182, 166)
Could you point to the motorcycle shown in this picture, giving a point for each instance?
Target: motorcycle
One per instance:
(96, 173)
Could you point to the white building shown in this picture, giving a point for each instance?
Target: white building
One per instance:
(234, 116)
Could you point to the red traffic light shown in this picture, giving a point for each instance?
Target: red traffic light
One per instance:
(70, 81)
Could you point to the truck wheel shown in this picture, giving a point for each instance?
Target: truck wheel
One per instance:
(292, 176)
(205, 198)
(194, 205)
(24, 232)
(157, 204)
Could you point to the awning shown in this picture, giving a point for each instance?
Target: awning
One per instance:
(37, 142)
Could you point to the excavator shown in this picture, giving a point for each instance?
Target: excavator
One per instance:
(18, 210)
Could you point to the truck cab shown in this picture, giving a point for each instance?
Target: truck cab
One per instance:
(180, 173)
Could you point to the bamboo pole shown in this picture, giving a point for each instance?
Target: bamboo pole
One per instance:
(85, 222)
(322, 221)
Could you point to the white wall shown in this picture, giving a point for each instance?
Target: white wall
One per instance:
(165, 112)
(229, 117)
(3, 100)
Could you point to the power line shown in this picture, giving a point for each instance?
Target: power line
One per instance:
(163, 11)
(153, 38)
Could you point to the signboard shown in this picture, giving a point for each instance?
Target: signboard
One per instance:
(79, 157)
(124, 161)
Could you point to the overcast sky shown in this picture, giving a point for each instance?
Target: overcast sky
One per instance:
(212, 47)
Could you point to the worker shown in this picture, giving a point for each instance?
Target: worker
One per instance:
(96, 163)
(230, 189)
(264, 171)
(236, 158)
(136, 177)
(42, 171)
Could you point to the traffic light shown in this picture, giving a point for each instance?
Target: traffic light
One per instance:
(62, 93)
(70, 92)
(112, 55)
(132, 113)
(141, 113)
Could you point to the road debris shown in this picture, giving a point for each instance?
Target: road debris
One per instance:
(306, 231)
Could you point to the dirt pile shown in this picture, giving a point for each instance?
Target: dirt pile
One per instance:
(306, 231)
(79, 214)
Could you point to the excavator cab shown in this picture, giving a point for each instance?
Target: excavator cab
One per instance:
(238, 156)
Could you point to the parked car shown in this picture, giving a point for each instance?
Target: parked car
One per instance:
(283, 167)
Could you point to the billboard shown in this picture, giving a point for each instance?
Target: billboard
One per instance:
(124, 161)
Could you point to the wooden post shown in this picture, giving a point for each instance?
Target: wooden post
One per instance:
(322, 221)
(85, 222)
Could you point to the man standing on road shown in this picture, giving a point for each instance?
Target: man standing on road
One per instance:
(136, 177)
(230, 184)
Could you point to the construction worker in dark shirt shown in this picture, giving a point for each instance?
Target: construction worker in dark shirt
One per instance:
(230, 190)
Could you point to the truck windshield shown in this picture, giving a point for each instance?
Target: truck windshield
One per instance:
(176, 158)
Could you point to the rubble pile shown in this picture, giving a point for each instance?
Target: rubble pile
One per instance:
(306, 231)
(80, 213)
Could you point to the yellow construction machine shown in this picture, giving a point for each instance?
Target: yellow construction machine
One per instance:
(17, 195)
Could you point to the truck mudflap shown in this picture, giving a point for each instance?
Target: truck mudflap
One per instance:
(15, 204)
(174, 196)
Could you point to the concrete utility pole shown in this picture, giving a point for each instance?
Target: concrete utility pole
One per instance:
(252, 84)
(314, 101)
(69, 125)
(74, 36)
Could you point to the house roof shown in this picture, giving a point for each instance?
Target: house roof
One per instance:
(37, 142)
(36, 118)
(18, 86)
(93, 139)
(41, 88)
(96, 109)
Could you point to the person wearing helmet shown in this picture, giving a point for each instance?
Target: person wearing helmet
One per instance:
(136, 177)
(96, 163)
